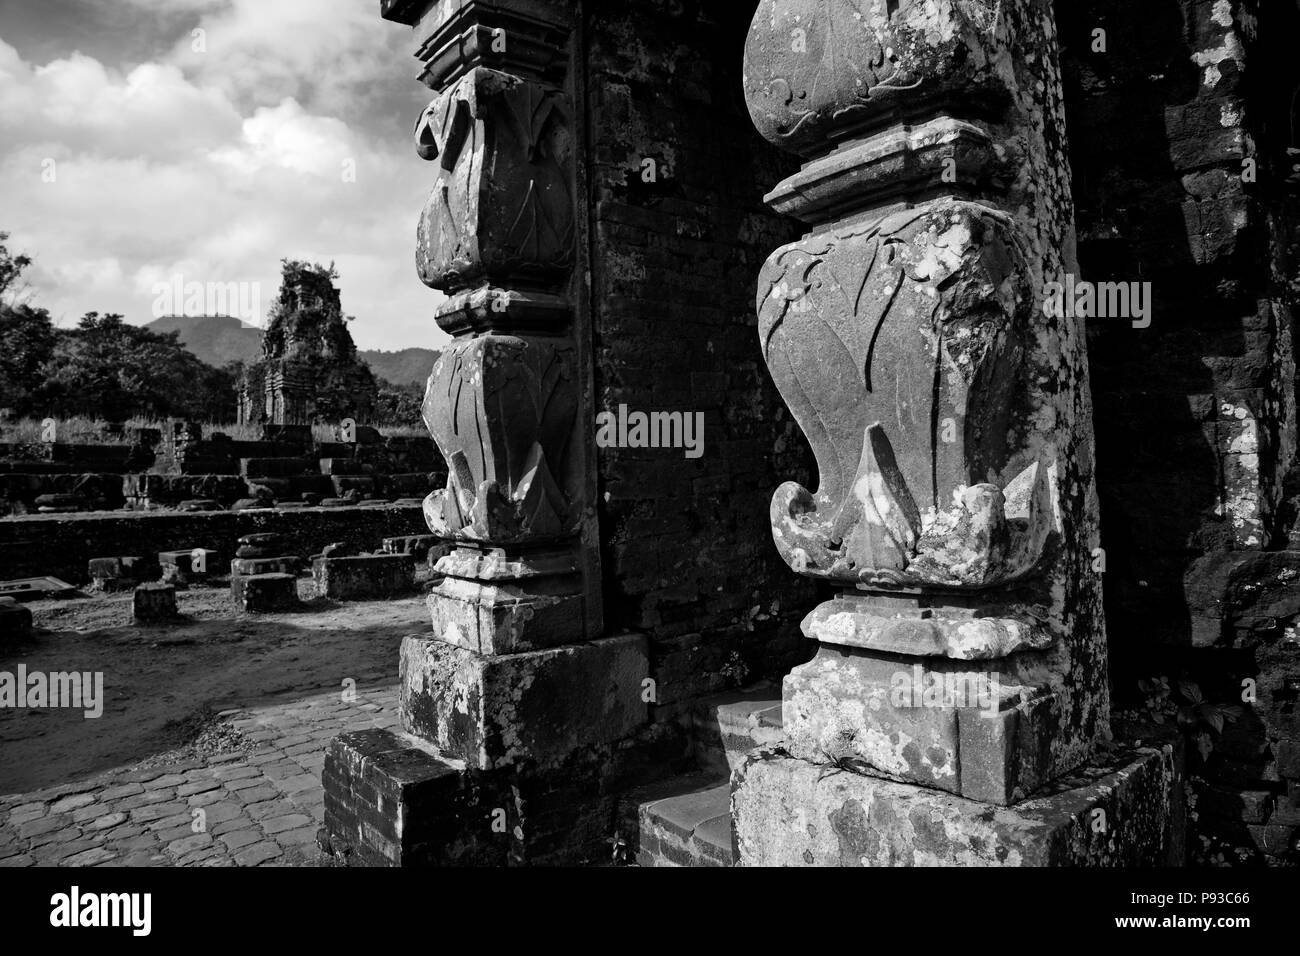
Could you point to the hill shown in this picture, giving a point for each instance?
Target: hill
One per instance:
(219, 339)
(215, 339)
(403, 366)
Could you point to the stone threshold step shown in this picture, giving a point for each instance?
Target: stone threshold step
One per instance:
(686, 821)
(728, 726)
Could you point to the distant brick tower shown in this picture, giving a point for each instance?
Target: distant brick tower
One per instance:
(309, 371)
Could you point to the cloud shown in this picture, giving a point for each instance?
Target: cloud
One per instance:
(287, 138)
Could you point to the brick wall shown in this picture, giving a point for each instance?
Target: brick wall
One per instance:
(1195, 416)
(688, 555)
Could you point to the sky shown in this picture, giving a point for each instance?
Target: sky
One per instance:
(155, 146)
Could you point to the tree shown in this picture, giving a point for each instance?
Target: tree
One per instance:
(398, 405)
(109, 369)
(11, 268)
(26, 338)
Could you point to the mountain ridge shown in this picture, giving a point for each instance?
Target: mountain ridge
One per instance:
(221, 339)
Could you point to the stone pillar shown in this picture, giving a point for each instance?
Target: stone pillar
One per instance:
(964, 650)
(514, 681)
(509, 400)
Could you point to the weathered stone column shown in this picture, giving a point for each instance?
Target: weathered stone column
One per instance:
(950, 418)
(514, 677)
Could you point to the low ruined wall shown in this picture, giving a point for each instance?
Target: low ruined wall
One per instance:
(62, 545)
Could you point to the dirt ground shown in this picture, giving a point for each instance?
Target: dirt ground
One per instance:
(164, 685)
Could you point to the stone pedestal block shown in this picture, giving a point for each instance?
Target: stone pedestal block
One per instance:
(154, 603)
(961, 726)
(262, 545)
(120, 573)
(1125, 810)
(194, 563)
(363, 577)
(505, 617)
(265, 592)
(537, 706)
(15, 622)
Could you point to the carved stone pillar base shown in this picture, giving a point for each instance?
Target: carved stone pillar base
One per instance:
(948, 695)
(929, 721)
(1125, 810)
(493, 604)
(535, 707)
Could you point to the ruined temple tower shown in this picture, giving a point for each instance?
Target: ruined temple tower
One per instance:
(309, 369)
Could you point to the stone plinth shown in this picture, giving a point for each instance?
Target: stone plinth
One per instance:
(539, 706)
(154, 603)
(15, 622)
(265, 592)
(943, 723)
(261, 545)
(492, 604)
(182, 567)
(1126, 810)
(363, 577)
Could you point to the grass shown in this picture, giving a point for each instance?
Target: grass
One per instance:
(90, 431)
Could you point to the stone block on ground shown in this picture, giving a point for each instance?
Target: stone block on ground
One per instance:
(15, 622)
(264, 545)
(536, 706)
(121, 573)
(154, 603)
(363, 577)
(265, 592)
(181, 567)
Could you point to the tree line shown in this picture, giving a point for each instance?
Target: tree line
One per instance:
(106, 368)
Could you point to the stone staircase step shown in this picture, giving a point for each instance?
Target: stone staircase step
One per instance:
(691, 828)
(728, 726)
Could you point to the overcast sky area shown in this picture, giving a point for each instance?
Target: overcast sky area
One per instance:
(212, 165)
